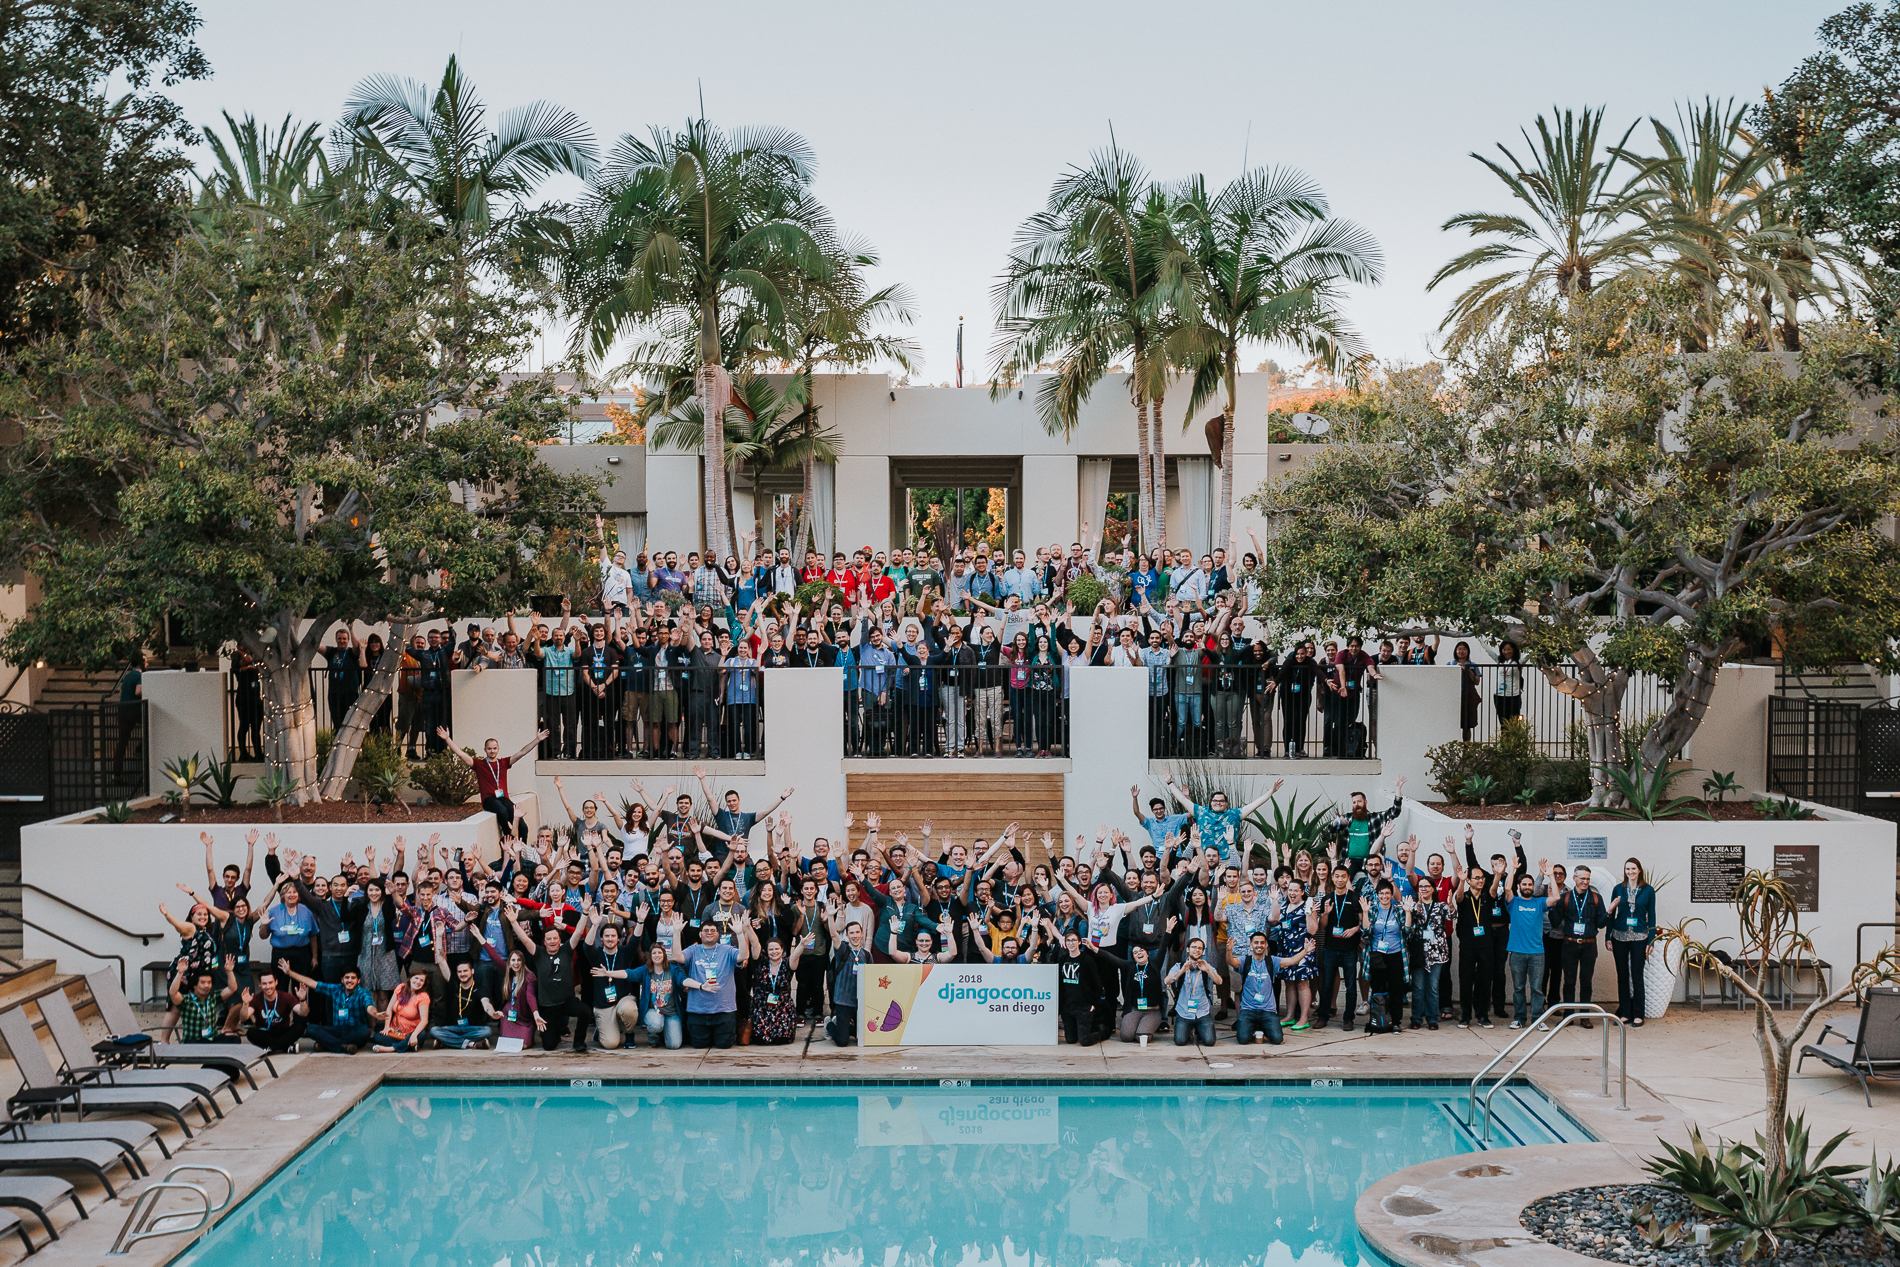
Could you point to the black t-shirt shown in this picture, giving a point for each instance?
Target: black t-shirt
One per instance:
(462, 1003)
(607, 991)
(554, 977)
(1344, 915)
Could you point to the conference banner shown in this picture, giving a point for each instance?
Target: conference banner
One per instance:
(956, 1005)
(1012, 1118)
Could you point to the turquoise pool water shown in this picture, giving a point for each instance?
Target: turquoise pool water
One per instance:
(849, 1176)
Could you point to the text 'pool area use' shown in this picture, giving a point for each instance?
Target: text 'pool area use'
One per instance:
(1022, 1174)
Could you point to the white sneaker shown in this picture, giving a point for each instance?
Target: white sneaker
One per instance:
(1517, 1024)
(1544, 1027)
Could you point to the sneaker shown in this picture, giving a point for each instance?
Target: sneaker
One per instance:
(1514, 1025)
(1540, 1025)
(1489, 1025)
(1415, 1023)
(1461, 1025)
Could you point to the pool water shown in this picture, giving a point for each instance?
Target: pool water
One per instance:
(1014, 1176)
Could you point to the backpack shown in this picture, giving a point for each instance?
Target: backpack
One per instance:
(1355, 742)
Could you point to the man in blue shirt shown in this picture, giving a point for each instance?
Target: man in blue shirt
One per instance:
(349, 1010)
(1530, 906)
(712, 980)
(1259, 1018)
(1022, 581)
(1159, 822)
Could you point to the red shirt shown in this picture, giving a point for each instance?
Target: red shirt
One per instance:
(841, 577)
(809, 575)
(876, 588)
(492, 776)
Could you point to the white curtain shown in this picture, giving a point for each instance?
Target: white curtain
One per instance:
(633, 535)
(1093, 502)
(1194, 476)
(824, 484)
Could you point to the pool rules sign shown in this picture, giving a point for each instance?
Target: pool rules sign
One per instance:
(956, 1004)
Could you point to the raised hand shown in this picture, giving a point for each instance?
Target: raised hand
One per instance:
(206, 837)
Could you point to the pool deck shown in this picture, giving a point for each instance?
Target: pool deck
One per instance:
(1687, 1067)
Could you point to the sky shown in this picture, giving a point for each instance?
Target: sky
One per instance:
(939, 128)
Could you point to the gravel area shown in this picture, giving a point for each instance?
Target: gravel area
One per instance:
(1597, 1222)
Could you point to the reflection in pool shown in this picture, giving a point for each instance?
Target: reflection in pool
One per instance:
(1014, 1175)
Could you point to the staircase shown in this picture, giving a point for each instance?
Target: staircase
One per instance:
(36, 978)
(71, 688)
(1520, 1117)
(960, 807)
(1843, 683)
(10, 915)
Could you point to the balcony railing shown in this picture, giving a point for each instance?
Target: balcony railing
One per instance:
(991, 711)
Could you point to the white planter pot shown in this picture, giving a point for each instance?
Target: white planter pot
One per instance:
(1659, 985)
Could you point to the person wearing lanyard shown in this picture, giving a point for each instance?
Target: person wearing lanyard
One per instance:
(289, 927)
(466, 1024)
(609, 965)
(1529, 908)
(1480, 943)
(1195, 979)
(491, 775)
(1340, 918)
(1258, 1019)
(1141, 995)
(267, 1016)
(1385, 966)
(1583, 914)
(842, 1028)
(1632, 920)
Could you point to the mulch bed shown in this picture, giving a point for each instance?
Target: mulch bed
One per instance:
(1596, 1222)
(316, 812)
(1723, 812)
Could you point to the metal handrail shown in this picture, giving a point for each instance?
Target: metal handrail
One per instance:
(1577, 1014)
(1530, 1031)
(145, 939)
(84, 950)
(230, 1184)
(134, 1229)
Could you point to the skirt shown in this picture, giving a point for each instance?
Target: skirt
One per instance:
(773, 1022)
(1290, 942)
(379, 968)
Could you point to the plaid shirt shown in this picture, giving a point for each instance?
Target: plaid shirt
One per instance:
(198, 1018)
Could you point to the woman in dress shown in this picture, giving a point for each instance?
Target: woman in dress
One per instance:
(773, 1020)
(519, 1010)
(1288, 936)
(1468, 696)
(406, 1019)
(374, 930)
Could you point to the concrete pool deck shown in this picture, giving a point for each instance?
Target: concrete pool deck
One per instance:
(1687, 1067)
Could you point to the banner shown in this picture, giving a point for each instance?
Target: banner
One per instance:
(1016, 1118)
(956, 1004)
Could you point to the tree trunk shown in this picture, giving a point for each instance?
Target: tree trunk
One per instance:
(1598, 690)
(1688, 707)
(1160, 476)
(1223, 538)
(1144, 472)
(347, 742)
(290, 722)
(715, 393)
(803, 533)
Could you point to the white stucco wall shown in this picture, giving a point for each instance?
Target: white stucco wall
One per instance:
(863, 512)
(675, 503)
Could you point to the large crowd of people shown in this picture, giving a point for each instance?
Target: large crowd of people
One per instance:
(965, 659)
(683, 919)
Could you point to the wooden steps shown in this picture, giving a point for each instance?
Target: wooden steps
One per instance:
(36, 978)
(72, 688)
(960, 807)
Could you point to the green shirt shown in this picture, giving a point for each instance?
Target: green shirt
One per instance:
(921, 579)
(198, 1018)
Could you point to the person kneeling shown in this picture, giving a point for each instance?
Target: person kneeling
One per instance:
(1195, 980)
(1259, 1018)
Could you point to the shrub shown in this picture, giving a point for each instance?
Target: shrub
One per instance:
(816, 595)
(1084, 592)
(381, 767)
(444, 778)
(1456, 763)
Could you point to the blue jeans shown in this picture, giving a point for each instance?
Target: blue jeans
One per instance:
(1201, 1031)
(1425, 994)
(662, 1029)
(336, 1037)
(382, 1041)
(1527, 967)
(461, 1035)
(1187, 712)
(1253, 1021)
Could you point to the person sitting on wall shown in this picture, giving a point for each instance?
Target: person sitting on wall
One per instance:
(491, 774)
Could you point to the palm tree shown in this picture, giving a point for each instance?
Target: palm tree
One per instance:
(682, 228)
(1088, 281)
(1715, 220)
(436, 150)
(269, 171)
(1266, 263)
(1570, 230)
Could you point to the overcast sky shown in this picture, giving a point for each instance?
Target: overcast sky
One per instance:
(939, 128)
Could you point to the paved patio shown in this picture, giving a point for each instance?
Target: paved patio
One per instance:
(1687, 1067)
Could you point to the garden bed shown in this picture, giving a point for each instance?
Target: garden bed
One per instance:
(1720, 811)
(1600, 1223)
(315, 812)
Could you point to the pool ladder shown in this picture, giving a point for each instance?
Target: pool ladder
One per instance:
(143, 1224)
(1476, 1108)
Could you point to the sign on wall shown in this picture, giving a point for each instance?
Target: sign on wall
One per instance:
(956, 1004)
(1800, 866)
(1587, 848)
(1714, 872)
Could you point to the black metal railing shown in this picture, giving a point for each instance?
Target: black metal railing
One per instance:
(646, 712)
(1237, 715)
(916, 711)
(1814, 750)
(1556, 719)
(411, 713)
(96, 754)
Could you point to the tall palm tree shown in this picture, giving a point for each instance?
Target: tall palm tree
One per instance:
(270, 171)
(1088, 281)
(436, 150)
(1266, 265)
(683, 227)
(1715, 218)
(1569, 230)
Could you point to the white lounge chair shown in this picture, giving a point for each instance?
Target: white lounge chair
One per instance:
(130, 1043)
(44, 1092)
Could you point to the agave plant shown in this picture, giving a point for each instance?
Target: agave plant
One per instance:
(1880, 1203)
(222, 781)
(117, 812)
(1783, 807)
(186, 775)
(1480, 788)
(1719, 784)
(1646, 795)
(1294, 825)
(1759, 1205)
(273, 790)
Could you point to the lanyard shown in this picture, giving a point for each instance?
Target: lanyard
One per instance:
(494, 772)
(462, 998)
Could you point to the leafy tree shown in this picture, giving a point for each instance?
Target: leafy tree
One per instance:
(1835, 125)
(1568, 231)
(265, 440)
(1093, 277)
(87, 182)
(681, 230)
(1265, 263)
(1577, 485)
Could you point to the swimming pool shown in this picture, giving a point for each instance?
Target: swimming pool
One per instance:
(1014, 1175)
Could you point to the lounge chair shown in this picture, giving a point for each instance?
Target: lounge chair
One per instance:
(70, 1038)
(1875, 1049)
(10, 1224)
(93, 1156)
(128, 1042)
(37, 1194)
(128, 1135)
(44, 1092)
